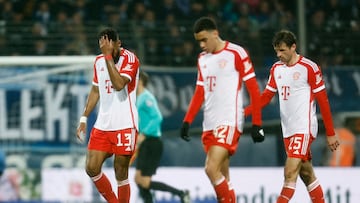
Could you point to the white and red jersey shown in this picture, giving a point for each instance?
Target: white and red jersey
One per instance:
(296, 86)
(221, 75)
(117, 109)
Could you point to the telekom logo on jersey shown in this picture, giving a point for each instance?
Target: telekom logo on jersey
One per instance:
(211, 83)
(108, 86)
(285, 92)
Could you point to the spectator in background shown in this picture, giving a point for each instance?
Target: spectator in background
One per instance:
(43, 15)
(39, 47)
(8, 187)
(214, 7)
(344, 156)
(150, 146)
(318, 48)
(6, 11)
(196, 10)
(16, 33)
(168, 7)
(188, 53)
(2, 45)
(60, 32)
(152, 52)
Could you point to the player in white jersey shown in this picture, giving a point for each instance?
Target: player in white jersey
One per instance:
(298, 82)
(223, 68)
(116, 75)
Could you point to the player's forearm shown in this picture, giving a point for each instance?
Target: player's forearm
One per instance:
(255, 101)
(195, 104)
(265, 99)
(118, 82)
(92, 100)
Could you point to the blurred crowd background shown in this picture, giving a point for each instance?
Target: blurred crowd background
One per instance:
(160, 31)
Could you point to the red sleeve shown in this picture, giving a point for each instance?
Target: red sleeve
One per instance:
(130, 65)
(95, 78)
(265, 99)
(254, 93)
(266, 96)
(195, 104)
(322, 99)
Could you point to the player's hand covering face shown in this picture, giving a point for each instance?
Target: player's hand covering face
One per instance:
(106, 45)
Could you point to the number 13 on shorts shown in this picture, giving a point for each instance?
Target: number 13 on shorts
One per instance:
(125, 141)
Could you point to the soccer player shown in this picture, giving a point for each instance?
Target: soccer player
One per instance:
(115, 80)
(299, 83)
(150, 146)
(223, 67)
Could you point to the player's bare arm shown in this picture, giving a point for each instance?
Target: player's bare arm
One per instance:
(92, 100)
(108, 48)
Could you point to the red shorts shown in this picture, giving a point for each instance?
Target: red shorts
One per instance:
(298, 146)
(225, 136)
(120, 142)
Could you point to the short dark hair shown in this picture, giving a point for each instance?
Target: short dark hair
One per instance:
(110, 32)
(204, 23)
(144, 77)
(285, 36)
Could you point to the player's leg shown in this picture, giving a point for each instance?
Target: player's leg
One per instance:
(96, 155)
(94, 161)
(313, 186)
(215, 160)
(123, 146)
(298, 150)
(225, 171)
(144, 170)
(291, 172)
(150, 154)
(143, 183)
(219, 145)
(121, 167)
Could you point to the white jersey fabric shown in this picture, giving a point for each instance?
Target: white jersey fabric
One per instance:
(296, 86)
(221, 74)
(117, 109)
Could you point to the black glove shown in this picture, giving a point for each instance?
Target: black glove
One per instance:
(257, 133)
(184, 131)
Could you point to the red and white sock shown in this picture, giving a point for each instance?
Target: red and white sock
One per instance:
(123, 191)
(287, 192)
(103, 185)
(316, 192)
(222, 190)
(232, 193)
